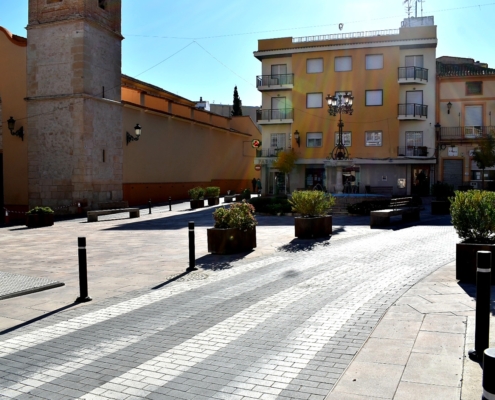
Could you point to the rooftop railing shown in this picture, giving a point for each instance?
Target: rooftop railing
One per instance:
(340, 36)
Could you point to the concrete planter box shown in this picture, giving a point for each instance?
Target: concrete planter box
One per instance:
(39, 220)
(213, 201)
(465, 261)
(229, 198)
(316, 227)
(197, 204)
(440, 207)
(230, 241)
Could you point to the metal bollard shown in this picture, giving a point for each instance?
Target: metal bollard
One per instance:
(79, 209)
(83, 271)
(192, 250)
(482, 327)
(488, 374)
(170, 204)
(6, 217)
(149, 205)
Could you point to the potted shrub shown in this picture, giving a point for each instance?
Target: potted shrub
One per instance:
(196, 196)
(245, 195)
(234, 230)
(442, 192)
(473, 217)
(212, 194)
(229, 198)
(39, 216)
(313, 206)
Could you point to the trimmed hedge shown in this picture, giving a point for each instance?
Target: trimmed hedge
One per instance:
(271, 205)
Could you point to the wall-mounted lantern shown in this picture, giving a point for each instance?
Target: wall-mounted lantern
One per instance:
(130, 138)
(11, 126)
(298, 138)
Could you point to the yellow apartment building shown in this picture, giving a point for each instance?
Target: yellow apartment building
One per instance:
(390, 136)
(465, 103)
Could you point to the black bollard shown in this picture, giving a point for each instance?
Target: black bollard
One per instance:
(83, 271)
(482, 327)
(488, 374)
(149, 205)
(170, 204)
(192, 250)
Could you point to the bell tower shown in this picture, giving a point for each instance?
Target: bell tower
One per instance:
(73, 101)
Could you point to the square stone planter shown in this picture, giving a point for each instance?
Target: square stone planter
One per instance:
(465, 261)
(197, 204)
(39, 220)
(315, 227)
(229, 198)
(213, 201)
(230, 241)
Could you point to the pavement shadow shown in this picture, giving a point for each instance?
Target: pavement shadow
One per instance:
(48, 314)
(470, 289)
(297, 245)
(218, 262)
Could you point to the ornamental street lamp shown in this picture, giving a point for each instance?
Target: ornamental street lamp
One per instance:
(341, 103)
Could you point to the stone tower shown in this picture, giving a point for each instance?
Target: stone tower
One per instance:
(74, 111)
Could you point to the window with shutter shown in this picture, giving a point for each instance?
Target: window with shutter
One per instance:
(374, 61)
(314, 139)
(314, 65)
(343, 64)
(374, 97)
(314, 100)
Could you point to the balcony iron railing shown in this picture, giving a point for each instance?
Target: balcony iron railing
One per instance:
(275, 114)
(346, 35)
(414, 151)
(413, 73)
(274, 80)
(271, 152)
(413, 110)
(465, 132)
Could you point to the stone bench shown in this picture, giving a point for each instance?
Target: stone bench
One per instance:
(93, 215)
(403, 206)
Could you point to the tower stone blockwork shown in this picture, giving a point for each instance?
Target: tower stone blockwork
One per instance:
(74, 110)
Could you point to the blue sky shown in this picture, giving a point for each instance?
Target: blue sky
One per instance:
(196, 48)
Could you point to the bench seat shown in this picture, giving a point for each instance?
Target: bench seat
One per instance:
(93, 215)
(403, 206)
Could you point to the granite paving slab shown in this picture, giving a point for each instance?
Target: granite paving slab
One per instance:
(12, 285)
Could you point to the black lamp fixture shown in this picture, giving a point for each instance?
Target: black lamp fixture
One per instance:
(341, 103)
(449, 106)
(298, 138)
(11, 125)
(131, 138)
(437, 129)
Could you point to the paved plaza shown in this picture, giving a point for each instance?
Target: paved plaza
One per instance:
(366, 314)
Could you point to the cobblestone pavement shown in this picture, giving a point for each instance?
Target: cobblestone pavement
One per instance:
(279, 325)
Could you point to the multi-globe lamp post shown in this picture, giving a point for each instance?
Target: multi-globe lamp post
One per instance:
(338, 104)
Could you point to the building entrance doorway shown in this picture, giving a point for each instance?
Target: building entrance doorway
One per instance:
(315, 178)
(420, 180)
(1, 190)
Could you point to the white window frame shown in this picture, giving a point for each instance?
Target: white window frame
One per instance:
(314, 63)
(374, 61)
(373, 138)
(375, 91)
(343, 64)
(314, 139)
(346, 139)
(315, 99)
(277, 140)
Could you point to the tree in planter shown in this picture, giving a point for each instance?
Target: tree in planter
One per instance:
(285, 163)
(484, 155)
(236, 108)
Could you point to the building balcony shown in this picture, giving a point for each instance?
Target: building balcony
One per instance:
(275, 82)
(271, 152)
(409, 75)
(276, 116)
(464, 133)
(415, 151)
(412, 111)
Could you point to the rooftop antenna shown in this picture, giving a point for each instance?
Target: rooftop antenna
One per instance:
(408, 7)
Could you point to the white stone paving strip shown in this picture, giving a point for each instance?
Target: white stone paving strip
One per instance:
(51, 332)
(175, 361)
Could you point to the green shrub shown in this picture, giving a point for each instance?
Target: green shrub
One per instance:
(212, 191)
(40, 210)
(238, 216)
(271, 205)
(473, 216)
(442, 191)
(196, 193)
(311, 203)
(246, 194)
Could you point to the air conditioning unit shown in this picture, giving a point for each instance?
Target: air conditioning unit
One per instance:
(474, 184)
